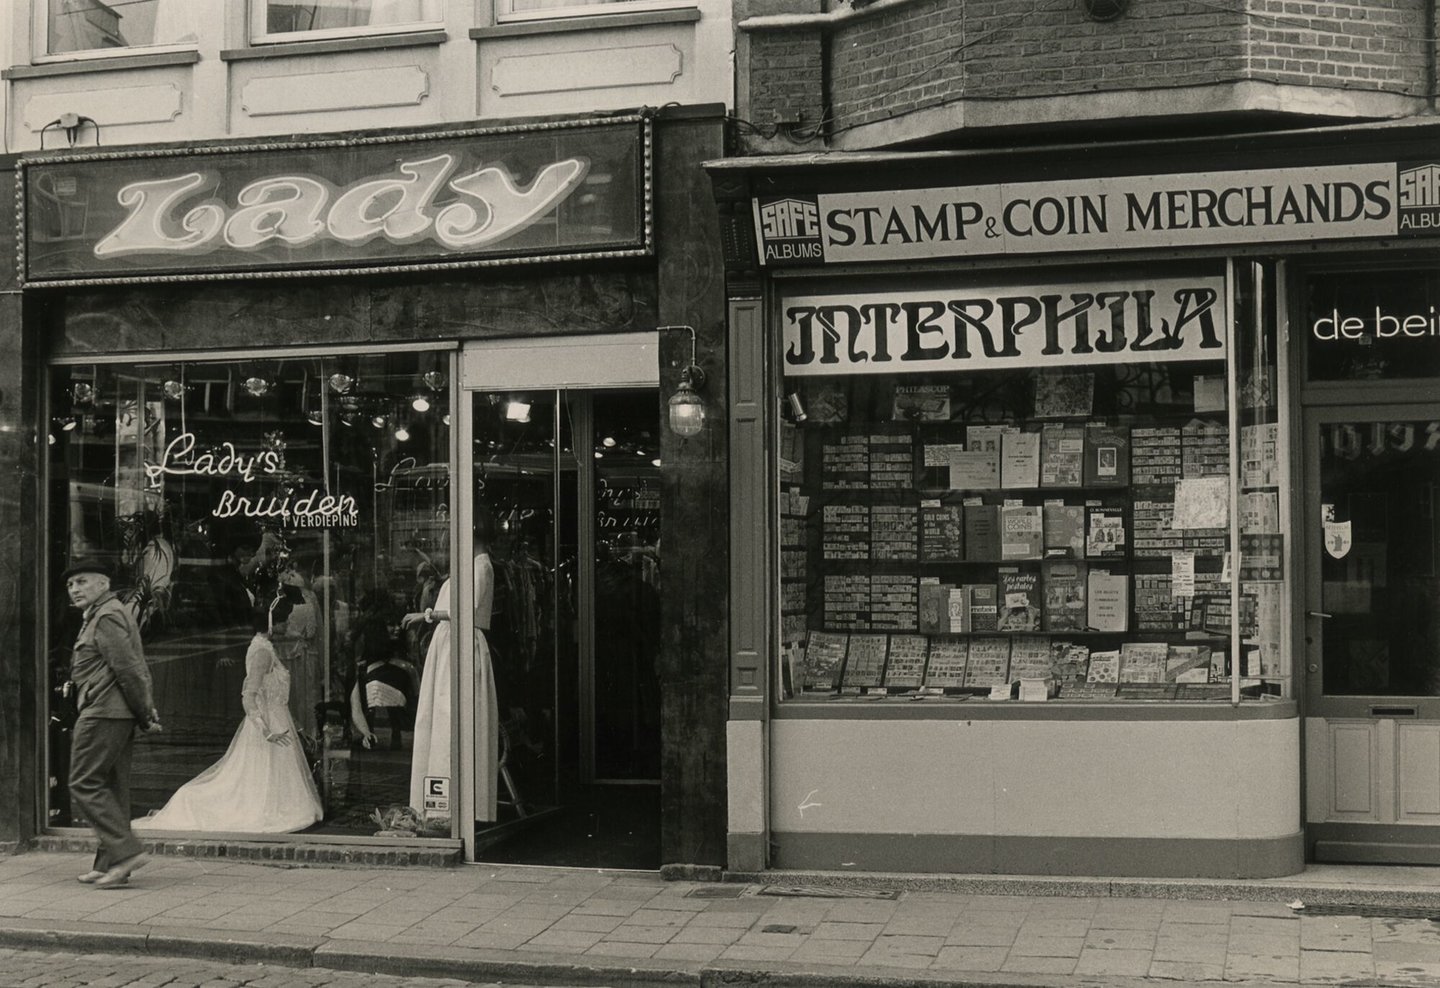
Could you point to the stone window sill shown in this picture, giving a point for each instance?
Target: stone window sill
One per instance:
(594, 22)
(119, 63)
(416, 39)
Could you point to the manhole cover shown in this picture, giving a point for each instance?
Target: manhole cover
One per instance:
(821, 892)
(716, 892)
(1372, 912)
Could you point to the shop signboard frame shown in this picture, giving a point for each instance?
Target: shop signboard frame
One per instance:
(1384, 199)
(391, 203)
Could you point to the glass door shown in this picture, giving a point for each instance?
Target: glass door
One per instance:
(565, 524)
(1372, 633)
(1373, 613)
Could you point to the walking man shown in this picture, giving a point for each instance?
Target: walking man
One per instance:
(113, 696)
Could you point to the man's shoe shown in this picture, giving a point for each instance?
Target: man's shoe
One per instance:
(119, 875)
(90, 877)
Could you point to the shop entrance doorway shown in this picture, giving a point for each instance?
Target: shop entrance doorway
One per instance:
(1372, 632)
(562, 445)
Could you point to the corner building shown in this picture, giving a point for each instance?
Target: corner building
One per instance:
(345, 296)
(1087, 356)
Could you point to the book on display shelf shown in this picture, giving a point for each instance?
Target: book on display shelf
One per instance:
(1062, 457)
(1063, 583)
(989, 663)
(1064, 526)
(1019, 460)
(1020, 600)
(905, 666)
(1022, 532)
(982, 532)
(949, 655)
(984, 606)
(1107, 456)
(824, 657)
(1143, 662)
(865, 661)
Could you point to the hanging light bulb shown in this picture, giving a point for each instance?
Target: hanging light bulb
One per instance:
(421, 403)
(341, 383)
(82, 393)
(315, 418)
(68, 423)
(257, 386)
(378, 421)
(517, 411)
(173, 390)
(434, 380)
(655, 462)
(445, 418)
(401, 433)
(608, 442)
(599, 455)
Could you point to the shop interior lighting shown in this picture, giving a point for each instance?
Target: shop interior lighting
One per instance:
(420, 403)
(257, 386)
(686, 406)
(402, 434)
(67, 423)
(378, 421)
(445, 418)
(82, 393)
(655, 462)
(797, 406)
(173, 390)
(608, 442)
(517, 411)
(341, 383)
(315, 418)
(599, 455)
(434, 380)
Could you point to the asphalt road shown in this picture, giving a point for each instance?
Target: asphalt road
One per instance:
(43, 969)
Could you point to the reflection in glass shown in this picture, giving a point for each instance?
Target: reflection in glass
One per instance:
(207, 495)
(87, 25)
(1380, 585)
(283, 17)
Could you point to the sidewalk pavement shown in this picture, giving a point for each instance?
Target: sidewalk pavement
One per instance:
(574, 927)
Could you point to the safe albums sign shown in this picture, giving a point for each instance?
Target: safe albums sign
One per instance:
(1064, 324)
(1195, 209)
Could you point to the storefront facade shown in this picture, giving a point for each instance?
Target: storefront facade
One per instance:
(268, 364)
(1098, 536)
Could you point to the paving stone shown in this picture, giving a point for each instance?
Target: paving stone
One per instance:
(1186, 971)
(968, 958)
(717, 935)
(1038, 965)
(1333, 967)
(879, 957)
(1254, 967)
(642, 934)
(765, 954)
(830, 951)
(964, 935)
(607, 948)
(698, 952)
(1120, 940)
(1115, 963)
(848, 931)
(1039, 946)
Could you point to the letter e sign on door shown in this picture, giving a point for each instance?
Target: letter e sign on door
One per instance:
(437, 794)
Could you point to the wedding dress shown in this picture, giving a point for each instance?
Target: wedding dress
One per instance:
(431, 755)
(257, 786)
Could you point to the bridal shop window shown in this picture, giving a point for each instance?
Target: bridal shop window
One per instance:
(269, 523)
(293, 20)
(91, 26)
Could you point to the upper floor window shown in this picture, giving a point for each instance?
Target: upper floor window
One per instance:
(536, 9)
(292, 20)
(94, 26)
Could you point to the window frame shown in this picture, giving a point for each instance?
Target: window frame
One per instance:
(40, 39)
(259, 35)
(505, 12)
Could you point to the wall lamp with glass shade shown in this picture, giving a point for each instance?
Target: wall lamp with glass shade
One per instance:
(687, 407)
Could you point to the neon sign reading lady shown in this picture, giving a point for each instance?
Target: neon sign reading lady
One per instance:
(485, 207)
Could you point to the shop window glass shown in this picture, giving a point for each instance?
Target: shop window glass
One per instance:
(96, 25)
(1009, 491)
(209, 487)
(282, 19)
(1371, 325)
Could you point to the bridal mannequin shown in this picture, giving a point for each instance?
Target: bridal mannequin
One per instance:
(433, 716)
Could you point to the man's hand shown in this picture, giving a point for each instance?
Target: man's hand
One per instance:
(154, 726)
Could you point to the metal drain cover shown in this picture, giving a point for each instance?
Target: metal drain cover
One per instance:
(1372, 912)
(716, 892)
(823, 892)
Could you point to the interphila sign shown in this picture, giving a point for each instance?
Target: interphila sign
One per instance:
(980, 328)
(493, 196)
(1148, 211)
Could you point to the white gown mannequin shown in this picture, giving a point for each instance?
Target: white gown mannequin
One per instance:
(434, 712)
(261, 784)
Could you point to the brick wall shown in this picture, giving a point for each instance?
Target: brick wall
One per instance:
(1375, 44)
(935, 52)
